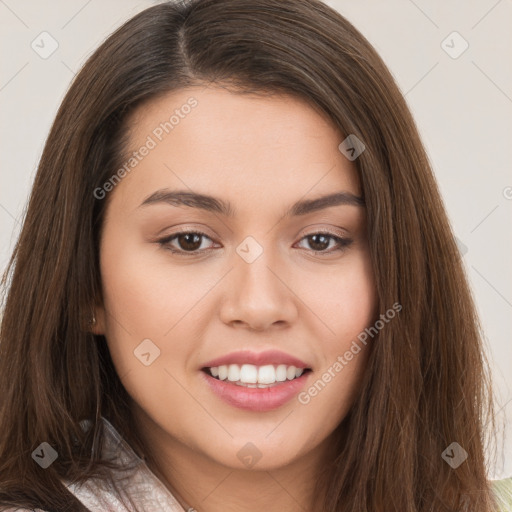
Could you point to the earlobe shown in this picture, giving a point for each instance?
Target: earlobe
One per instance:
(97, 321)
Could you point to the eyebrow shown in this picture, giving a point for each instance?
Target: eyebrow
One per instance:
(216, 205)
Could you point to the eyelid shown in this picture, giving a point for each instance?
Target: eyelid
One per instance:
(308, 230)
(333, 231)
(197, 228)
(166, 240)
(342, 240)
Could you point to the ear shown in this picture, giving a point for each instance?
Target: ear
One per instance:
(98, 326)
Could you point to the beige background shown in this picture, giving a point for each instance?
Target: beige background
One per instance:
(462, 105)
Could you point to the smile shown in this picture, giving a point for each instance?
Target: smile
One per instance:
(253, 376)
(254, 388)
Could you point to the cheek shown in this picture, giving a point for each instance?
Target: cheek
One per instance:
(144, 309)
(348, 307)
(357, 313)
(355, 305)
(344, 300)
(143, 292)
(141, 299)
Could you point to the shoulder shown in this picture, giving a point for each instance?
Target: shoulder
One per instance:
(503, 492)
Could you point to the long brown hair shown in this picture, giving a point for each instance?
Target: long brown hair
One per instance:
(426, 384)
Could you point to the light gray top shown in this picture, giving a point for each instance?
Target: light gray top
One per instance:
(141, 485)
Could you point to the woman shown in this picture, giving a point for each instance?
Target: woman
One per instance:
(236, 286)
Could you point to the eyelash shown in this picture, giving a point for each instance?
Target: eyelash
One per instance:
(343, 243)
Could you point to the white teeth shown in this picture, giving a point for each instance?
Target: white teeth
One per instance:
(223, 372)
(249, 374)
(248, 385)
(290, 372)
(281, 373)
(233, 372)
(266, 374)
(256, 376)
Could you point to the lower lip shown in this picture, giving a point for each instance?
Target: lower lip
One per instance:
(256, 399)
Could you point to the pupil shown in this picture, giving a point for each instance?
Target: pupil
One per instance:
(191, 241)
(323, 245)
(188, 243)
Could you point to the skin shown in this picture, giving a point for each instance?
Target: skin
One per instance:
(262, 154)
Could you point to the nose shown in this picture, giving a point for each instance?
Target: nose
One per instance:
(258, 295)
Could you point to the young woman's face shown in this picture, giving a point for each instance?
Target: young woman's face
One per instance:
(264, 286)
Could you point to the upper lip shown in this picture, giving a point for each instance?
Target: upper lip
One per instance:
(275, 357)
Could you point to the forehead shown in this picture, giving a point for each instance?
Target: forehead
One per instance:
(214, 140)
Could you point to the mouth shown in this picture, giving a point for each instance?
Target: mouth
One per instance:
(255, 388)
(253, 376)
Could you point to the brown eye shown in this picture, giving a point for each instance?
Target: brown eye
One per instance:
(320, 242)
(186, 241)
(189, 241)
